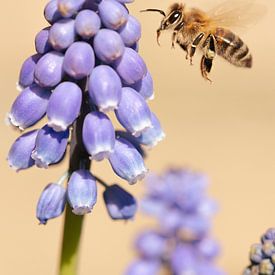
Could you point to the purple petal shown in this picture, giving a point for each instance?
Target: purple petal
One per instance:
(130, 67)
(98, 135)
(120, 204)
(145, 87)
(67, 8)
(42, 44)
(64, 106)
(51, 203)
(133, 112)
(29, 106)
(82, 192)
(48, 71)
(131, 31)
(19, 156)
(126, 161)
(105, 88)
(50, 146)
(51, 12)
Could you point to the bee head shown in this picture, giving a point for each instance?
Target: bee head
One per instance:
(171, 19)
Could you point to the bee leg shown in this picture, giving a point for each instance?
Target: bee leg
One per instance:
(194, 45)
(175, 33)
(209, 55)
(184, 47)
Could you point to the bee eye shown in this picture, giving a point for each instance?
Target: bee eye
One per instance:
(174, 17)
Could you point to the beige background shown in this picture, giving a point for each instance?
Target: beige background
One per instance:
(226, 130)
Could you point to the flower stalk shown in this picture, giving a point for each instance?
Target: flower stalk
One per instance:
(79, 159)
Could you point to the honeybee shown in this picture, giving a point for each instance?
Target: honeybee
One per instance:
(210, 31)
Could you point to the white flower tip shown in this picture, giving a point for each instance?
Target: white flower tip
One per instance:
(111, 106)
(39, 162)
(158, 139)
(139, 176)
(152, 97)
(81, 210)
(101, 155)
(19, 88)
(142, 128)
(58, 126)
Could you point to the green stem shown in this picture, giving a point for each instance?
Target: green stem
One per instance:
(79, 159)
(71, 243)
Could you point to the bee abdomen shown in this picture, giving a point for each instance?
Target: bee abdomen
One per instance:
(232, 48)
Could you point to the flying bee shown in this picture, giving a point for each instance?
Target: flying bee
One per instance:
(210, 31)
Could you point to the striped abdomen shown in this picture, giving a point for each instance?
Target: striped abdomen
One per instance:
(232, 48)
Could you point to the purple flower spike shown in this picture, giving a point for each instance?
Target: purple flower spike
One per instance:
(152, 136)
(42, 44)
(29, 107)
(67, 8)
(82, 192)
(145, 87)
(144, 267)
(105, 88)
(26, 76)
(133, 112)
(19, 156)
(113, 14)
(151, 245)
(130, 67)
(79, 60)
(108, 45)
(126, 161)
(62, 34)
(98, 135)
(50, 146)
(48, 71)
(51, 12)
(131, 31)
(51, 203)
(120, 204)
(87, 24)
(64, 106)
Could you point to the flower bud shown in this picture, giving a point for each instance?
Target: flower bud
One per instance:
(113, 14)
(51, 12)
(42, 44)
(29, 106)
(48, 71)
(133, 112)
(82, 192)
(19, 156)
(26, 76)
(151, 245)
(87, 24)
(62, 34)
(120, 204)
(64, 106)
(50, 146)
(131, 31)
(67, 8)
(130, 66)
(152, 136)
(98, 135)
(144, 267)
(145, 86)
(105, 88)
(79, 60)
(51, 203)
(108, 45)
(126, 161)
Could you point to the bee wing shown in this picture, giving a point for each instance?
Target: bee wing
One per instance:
(240, 14)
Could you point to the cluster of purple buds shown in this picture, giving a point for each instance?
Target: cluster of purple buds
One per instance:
(87, 56)
(262, 255)
(180, 243)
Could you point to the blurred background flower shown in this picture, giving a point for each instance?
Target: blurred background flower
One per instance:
(180, 243)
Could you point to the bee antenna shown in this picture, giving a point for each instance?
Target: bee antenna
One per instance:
(160, 11)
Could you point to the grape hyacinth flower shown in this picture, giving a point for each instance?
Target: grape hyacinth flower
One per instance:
(180, 243)
(87, 65)
(262, 255)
